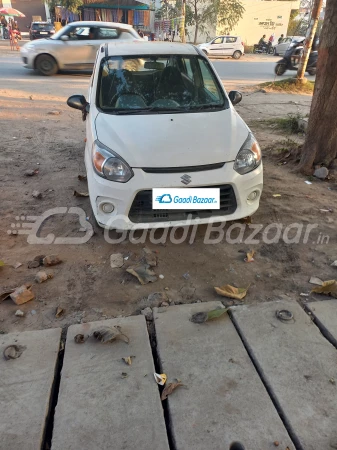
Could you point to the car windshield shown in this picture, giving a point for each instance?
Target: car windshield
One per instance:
(42, 26)
(144, 84)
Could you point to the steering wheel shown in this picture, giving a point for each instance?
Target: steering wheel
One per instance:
(119, 94)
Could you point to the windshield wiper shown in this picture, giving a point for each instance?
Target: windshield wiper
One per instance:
(146, 110)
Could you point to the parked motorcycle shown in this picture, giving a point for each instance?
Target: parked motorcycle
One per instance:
(265, 48)
(292, 58)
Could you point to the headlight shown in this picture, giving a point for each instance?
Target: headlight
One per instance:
(109, 165)
(249, 156)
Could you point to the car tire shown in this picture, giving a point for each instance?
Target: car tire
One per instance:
(237, 54)
(280, 69)
(312, 71)
(46, 65)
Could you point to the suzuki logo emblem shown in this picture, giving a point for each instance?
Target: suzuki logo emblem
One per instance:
(186, 179)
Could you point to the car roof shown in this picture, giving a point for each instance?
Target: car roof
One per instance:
(92, 23)
(135, 47)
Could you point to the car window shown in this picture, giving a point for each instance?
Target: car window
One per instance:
(81, 33)
(42, 26)
(108, 33)
(218, 41)
(230, 40)
(175, 82)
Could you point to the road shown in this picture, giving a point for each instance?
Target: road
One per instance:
(250, 70)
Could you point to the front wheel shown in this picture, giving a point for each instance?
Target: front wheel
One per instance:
(280, 69)
(46, 65)
(312, 71)
(237, 54)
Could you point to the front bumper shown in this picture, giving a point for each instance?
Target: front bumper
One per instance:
(122, 196)
(28, 57)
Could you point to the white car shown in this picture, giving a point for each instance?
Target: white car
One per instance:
(74, 47)
(224, 46)
(159, 120)
(282, 47)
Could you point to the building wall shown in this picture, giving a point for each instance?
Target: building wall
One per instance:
(29, 8)
(260, 17)
(263, 17)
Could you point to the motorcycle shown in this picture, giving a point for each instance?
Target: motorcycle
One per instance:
(292, 58)
(265, 48)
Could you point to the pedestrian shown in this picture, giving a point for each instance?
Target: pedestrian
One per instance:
(271, 39)
(280, 39)
(141, 34)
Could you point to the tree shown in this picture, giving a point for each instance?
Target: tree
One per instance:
(71, 5)
(205, 13)
(320, 145)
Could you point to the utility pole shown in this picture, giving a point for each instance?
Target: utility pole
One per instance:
(316, 10)
(183, 13)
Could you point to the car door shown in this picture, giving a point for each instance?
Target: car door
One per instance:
(79, 50)
(216, 47)
(229, 45)
(282, 48)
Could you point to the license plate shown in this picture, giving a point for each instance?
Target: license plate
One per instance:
(43, 32)
(186, 198)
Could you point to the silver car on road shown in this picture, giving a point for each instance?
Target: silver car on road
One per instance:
(74, 47)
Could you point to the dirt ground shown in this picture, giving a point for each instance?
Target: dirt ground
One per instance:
(84, 284)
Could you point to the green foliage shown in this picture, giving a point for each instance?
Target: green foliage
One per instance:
(205, 13)
(71, 5)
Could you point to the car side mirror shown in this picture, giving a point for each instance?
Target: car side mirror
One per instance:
(79, 102)
(235, 97)
(64, 38)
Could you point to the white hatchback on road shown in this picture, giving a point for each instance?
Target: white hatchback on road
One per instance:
(224, 46)
(165, 146)
(74, 47)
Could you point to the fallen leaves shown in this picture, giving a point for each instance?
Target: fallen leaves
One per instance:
(80, 338)
(5, 294)
(169, 388)
(108, 334)
(315, 280)
(250, 256)
(160, 378)
(202, 317)
(150, 257)
(231, 291)
(143, 273)
(128, 360)
(81, 194)
(2, 263)
(328, 287)
(82, 177)
(41, 276)
(59, 312)
(22, 294)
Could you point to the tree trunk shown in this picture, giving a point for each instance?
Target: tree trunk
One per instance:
(321, 140)
(196, 32)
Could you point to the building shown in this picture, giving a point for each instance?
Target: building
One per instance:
(260, 17)
(32, 9)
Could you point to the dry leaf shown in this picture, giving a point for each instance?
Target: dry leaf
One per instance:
(143, 273)
(6, 294)
(80, 338)
(2, 263)
(108, 334)
(334, 264)
(202, 317)
(169, 388)
(231, 291)
(81, 194)
(276, 195)
(128, 360)
(328, 287)
(315, 280)
(22, 294)
(82, 177)
(59, 312)
(160, 378)
(150, 257)
(250, 256)
(124, 375)
(17, 265)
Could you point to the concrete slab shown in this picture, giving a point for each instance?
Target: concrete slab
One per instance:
(25, 388)
(97, 408)
(325, 314)
(224, 399)
(299, 365)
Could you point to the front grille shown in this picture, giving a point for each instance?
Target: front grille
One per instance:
(183, 169)
(141, 210)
